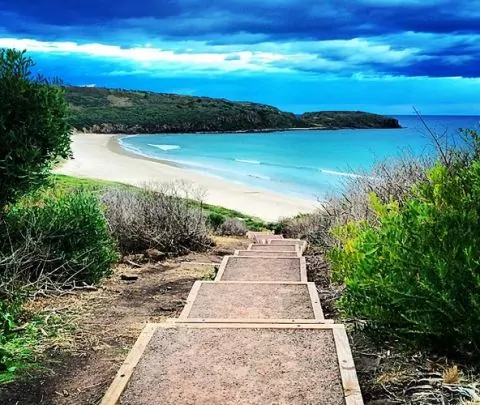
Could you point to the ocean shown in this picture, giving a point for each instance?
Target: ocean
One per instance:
(307, 164)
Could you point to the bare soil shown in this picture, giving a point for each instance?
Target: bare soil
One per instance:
(275, 248)
(109, 320)
(262, 269)
(237, 367)
(252, 301)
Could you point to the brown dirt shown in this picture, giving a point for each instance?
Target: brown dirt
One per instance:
(276, 248)
(252, 301)
(109, 321)
(262, 269)
(237, 367)
(255, 253)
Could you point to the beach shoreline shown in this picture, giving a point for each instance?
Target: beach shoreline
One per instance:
(102, 157)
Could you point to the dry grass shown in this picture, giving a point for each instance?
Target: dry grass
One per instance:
(451, 375)
(157, 216)
(232, 227)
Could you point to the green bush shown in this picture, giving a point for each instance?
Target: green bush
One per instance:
(214, 220)
(63, 237)
(34, 128)
(415, 274)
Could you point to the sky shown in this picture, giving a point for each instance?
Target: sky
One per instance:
(384, 56)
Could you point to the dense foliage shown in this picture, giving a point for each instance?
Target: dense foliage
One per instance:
(348, 119)
(64, 237)
(104, 110)
(121, 111)
(414, 274)
(34, 127)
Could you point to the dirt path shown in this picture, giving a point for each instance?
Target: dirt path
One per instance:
(235, 342)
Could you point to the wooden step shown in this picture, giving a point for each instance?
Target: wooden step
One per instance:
(301, 244)
(224, 301)
(236, 268)
(252, 234)
(266, 238)
(238, 364)
(261, 253)
(272, 248)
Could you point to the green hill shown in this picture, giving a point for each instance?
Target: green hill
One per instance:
(103, 110)
(348, 119)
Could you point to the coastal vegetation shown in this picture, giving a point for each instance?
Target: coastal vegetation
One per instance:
(49, 239)
(34, 125)
(100, 110)
(348, 119)
(397, 255)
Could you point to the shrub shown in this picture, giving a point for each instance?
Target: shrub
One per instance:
(56, 239)
(34, 129)
(232, 227)
(415, 274)
(391, 179)
(156, 217)
(214, 220)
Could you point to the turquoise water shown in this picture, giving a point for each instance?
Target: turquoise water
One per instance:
(302, 163)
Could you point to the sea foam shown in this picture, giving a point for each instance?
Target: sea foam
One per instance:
(252, 162)
(165, 147)
(343, 174)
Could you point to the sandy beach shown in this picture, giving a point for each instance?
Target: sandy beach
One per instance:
(101, 157)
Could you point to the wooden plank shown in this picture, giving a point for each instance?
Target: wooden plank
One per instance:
(190, 299)
(351, 387)
(250, 321)
(252, 282)
(126, 370)
(303, 269)
(301, 244)
(222, 268)
(279, 252)
(317, 307)
(256, 324)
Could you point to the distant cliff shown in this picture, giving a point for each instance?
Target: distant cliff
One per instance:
(348, 119)
(111, 111)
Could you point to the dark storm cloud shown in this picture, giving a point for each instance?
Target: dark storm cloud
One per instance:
(311, 19)
(425, 37)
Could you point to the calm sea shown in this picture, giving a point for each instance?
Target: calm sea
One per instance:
(301, 163)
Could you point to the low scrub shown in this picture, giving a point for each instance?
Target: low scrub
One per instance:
(413, 274)
(232, 227)
(59, 238)
(160, 217)
(388, 180)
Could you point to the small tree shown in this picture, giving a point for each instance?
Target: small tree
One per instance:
(34, 128)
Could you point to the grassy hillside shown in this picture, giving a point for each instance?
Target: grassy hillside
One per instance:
(108, 111)
(348, 119)
(132, 112)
